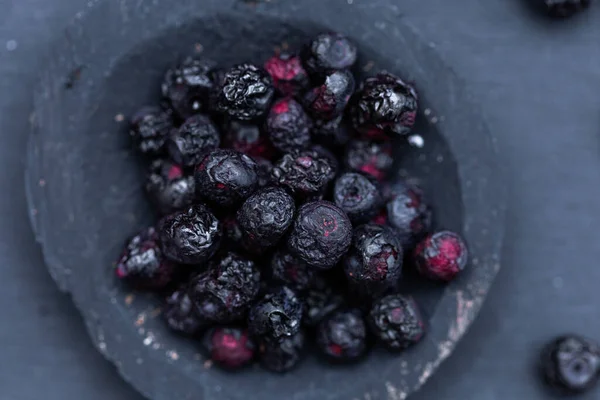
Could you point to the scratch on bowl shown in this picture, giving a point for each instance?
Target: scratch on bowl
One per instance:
(394, 393)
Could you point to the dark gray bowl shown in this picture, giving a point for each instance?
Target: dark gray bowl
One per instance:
(86, 198)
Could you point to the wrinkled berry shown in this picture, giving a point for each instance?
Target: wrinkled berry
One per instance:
(168, 187)
(284, 355)
(288, 126)
(342, 336)
(321, 234)
(327, 154)
(226, 177)
(277, 315)
(384, 104)
(441, 256)
(329, 52)
(288, 74)
(264, 169)
(396, 321)
(571, 364)
(197, 136)
(358, 195)
(150, 128)
(564, 8)
(329, 100)
(408, 213)
(191, 236)
(265, 217)
(320, 300)
(245, 93)
(224, 292)
(180, 314)
(372, 158)
(142, 263)
(291, 271)
(246, 138)
(188, 85)
(306, 173)
(229, 347)
(374, 262)
(332, 133)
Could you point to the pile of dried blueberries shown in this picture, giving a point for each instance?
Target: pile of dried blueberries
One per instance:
(278, 225)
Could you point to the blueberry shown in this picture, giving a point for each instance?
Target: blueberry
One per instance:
(396, 322)
(342, 336)
(305, 173)
(229, 347)
(329, 52)
(358, 195)
(441, 256)
(288, 74)
(169, 187)
(284, 355)
(408, 213)
(288, 126)
(197, 136)
(329, 100)
(150, 128)
(181, 315)
(277, 315)
(370, 157)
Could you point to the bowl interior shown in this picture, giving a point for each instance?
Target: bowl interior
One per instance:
(85, 188)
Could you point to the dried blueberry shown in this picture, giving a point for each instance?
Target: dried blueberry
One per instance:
(321, 234)
(229, 347)
(329, 100)
(246, 138)
(197, 136)
(441, 256)
(191, 236)
(168, 187)
(342, 336)
(329, 52)
(264, 169)
(320, 299)
(358, 195)
(288, 74)
(372, 158)
(396, 321)
(288, 126)
(291, 271)
(277, 315)
(408, 213)
(180, 314)
(150, 128)
(306, 173)
(284, 355)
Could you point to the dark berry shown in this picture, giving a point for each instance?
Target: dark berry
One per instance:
(191, 236)
(385, 104)
(291, 271)
(441, 256)
(277, 315)
(264, 169)
(284, 355)
(226, 177)
(327, 154)
(564, 8)
(168, 187)
(197, 136)
(265, 217)
(374, 262)
(288, 126)
(358, 195)
(571, 364)
(142, 263)
(288, 74)
(320, 300)
(188, 85)
(181, 315)
(408, 213)
(246, 138)
(329, 52)
(329, 100)
(342, 336)
(150, 128)
(332, 133)
(372, 158)
(229, 347)
(224, 292)
(396, 321)
(245, 93)
(321, 234)
(306, 173)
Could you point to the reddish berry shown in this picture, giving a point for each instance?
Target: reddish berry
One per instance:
(441, 256)
(372, 158)
(229, 347)
(329, 100)
(288, 74)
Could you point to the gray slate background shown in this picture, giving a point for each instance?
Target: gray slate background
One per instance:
(539, 83)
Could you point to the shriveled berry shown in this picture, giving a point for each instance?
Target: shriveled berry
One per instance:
(277, 315)
(329, 100)
(327, 154)
(320, 300)
(332, 133)
(291, 271)
(327, 53)
(564, 8)
(190, 236)
(321, 234)
(288, 126)
(264, 169)
(229, 347)
(224, 292)
(142, 263)
(571, 364)
(180, 314)
(284, 355)
(358, 195)
(342, 336)
(374, 262)
(226, 177)
(408, 213)
(245, 92)
(396, 321)
(288, 74)
(265, 217)
(150, 128)
(188, 85)
(441, 256)
(246, 138)
(372, 158)
(197, 136)
(168, 187)
(306, 173)
(385, 104)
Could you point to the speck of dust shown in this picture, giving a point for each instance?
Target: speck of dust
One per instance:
(416, 141)
(11, 45)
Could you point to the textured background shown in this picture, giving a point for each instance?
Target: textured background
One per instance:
(539, 83)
